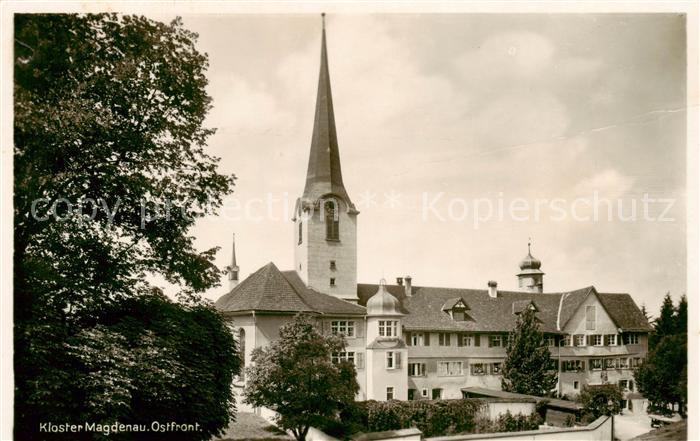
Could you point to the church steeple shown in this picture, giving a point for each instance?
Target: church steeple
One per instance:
(233, 268)
(323, 175)
(325, 231)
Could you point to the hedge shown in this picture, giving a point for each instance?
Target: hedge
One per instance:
(432, 417)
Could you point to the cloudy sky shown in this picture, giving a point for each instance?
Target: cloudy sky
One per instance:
(435, 112)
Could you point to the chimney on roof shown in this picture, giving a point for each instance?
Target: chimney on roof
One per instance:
(493, 292)
(407, 286)
(399, 281)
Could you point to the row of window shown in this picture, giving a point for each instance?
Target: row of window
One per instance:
(387, 328)
(456, 369)
(499, 340)
(596, 340)
(445, 339)
(598, 364)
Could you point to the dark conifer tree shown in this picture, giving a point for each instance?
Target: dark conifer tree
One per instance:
(527, 368)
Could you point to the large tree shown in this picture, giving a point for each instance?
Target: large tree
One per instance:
(527, 368)
(663, 376)
(665, 324)
(295, 377)
(110, 174)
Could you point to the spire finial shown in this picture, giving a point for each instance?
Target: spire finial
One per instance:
(323, 20)
(529, 242)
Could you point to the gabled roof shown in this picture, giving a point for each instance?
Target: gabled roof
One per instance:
(624, 312)
(451, 303)
(270, 290)
(521, 305)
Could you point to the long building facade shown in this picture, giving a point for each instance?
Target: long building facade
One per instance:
(412, 342)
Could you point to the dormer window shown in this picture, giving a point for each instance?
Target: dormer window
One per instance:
(332, 220)
(456, 308)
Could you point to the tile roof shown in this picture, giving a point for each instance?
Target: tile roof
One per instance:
(424, 308)
(624, 312)
(270, 290)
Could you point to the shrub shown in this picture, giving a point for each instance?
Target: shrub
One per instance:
(595, 399)
(438, 417)
(516, 423)
(570, 421)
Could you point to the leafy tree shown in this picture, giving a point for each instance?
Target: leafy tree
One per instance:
(110, 174)
(294, 376)
(527, 368)
(663, 376)
(665, 324)
(601, 399)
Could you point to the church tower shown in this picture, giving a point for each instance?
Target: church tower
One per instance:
(325, 218)
(530, 276)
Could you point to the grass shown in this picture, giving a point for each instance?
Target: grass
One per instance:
(672, 432)
(249, 426)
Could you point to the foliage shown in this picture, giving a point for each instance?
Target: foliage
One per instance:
(508, 422)
(294, 376)
(570, 421)
(432, 417)
(681, 317)
(109, 114)
(527, 366)
(665, 324)
(601, 399)
(662, 378)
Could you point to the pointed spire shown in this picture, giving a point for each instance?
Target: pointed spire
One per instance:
(233, 251)
(233, 268)
(323, 175)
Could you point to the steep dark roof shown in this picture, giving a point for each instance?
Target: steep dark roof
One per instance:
(270, 290)
(323, 175)
(624, 312)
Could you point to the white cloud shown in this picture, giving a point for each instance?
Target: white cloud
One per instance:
(608, 183)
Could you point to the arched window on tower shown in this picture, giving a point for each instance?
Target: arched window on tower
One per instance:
(300, 232)
(332, 220)
(241, 353)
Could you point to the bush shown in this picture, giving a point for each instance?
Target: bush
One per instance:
(570, 421)
(516, 423)
(432, 417)
(595, 400)
(508, 422)
(438, 417)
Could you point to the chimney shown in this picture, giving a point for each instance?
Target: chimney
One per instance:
(399, 281)
(407, 286)
(493, 292)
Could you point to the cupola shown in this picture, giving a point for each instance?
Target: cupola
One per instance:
(382, 303)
